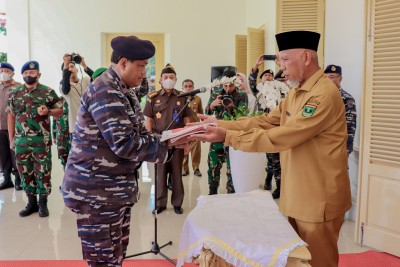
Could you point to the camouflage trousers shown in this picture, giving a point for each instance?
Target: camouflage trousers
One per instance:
(63, 148)
(34, 166)
(217, 155)
(274, 165)
(104, 232)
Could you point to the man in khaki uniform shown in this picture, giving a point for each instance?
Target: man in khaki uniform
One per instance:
(308, 128)
(195, 152)
(163, 107)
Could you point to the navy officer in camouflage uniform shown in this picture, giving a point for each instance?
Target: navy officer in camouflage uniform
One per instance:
(334, 73)
(221, 108)
(109, 142)
(29, 109)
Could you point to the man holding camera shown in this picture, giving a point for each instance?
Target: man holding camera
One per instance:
(223, 100)
(72, 86)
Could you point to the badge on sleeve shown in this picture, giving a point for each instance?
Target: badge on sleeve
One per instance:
(158, 115)
(308, 110)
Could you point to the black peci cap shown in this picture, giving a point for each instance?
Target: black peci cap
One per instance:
(297, 39)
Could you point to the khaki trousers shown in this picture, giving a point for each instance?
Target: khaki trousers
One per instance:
(322, 240)
(195, 153)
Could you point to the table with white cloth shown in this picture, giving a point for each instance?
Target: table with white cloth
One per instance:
(243, 229)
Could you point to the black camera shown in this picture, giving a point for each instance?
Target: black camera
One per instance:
(227, 100)
(76, 58)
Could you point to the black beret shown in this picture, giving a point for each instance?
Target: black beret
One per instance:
(266, 71)
(333, 69)
(297, 39)
(5, 65)
(168, 69)
(279, 75)
(30, 65)
(132, 47)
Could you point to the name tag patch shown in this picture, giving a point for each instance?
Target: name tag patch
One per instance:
(308, 110)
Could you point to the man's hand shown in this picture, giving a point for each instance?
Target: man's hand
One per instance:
(66, 59)
(43, 111)
(216, 102)
(204, 119)
(12, 147)
(213, 135)
(259, 61)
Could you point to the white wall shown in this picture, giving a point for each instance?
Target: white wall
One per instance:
(345, 46)
(199, 34)
(263, 13)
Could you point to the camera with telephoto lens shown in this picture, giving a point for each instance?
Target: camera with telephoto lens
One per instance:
(227, 100)
(76, 58)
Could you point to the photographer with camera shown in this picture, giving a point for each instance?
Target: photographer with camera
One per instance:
(223, 100)
(72, 86)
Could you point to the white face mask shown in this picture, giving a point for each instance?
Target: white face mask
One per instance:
(5, 77)
(168, 84)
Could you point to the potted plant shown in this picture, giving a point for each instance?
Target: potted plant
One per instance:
(247, 168)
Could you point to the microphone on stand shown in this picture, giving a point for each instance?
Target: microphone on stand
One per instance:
(194, 92)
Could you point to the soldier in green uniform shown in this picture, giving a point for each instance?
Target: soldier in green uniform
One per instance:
(161, 109)
(61, 134)
(222, 102)
(29, 109)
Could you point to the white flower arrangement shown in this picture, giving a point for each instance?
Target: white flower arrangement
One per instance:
(222, 81)
(270, 94)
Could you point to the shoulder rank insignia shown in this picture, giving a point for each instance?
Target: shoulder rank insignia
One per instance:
(309, 110)
(152, 94)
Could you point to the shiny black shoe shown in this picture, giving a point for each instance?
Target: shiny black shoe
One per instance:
(276, 194)
(197, 172)
(185, 173)
(213, 191)
(159, 210)
(178, 209)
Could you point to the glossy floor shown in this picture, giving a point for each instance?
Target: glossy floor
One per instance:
(55, 237)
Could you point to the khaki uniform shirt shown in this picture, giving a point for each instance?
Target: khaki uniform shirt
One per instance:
(308, 128)
(163, 109)
(196, 107)
(5, 91)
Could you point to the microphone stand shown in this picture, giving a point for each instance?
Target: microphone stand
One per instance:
(155, 248)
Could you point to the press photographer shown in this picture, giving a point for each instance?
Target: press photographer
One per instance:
(223, 100)
(73, 84)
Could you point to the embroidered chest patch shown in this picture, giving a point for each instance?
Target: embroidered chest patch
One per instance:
(309, 110)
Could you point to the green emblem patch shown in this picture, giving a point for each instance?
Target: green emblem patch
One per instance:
(308, 110)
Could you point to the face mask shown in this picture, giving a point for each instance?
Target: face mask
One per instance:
(30, 80)
(5, 77)
(168, 84)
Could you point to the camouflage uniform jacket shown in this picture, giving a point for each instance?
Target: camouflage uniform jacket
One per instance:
(5, 91)
(109, 142)
(351, 118)
(31, 129)
(253, 81)
(239, 100)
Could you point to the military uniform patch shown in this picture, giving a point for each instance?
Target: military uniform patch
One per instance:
(308, 110)
(158, 115)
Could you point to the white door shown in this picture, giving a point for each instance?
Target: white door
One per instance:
(379, 182)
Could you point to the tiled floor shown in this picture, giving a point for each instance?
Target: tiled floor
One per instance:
(55, 237)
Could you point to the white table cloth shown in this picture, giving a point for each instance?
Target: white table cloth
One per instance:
(245, 229)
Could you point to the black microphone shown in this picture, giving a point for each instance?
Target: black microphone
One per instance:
(194, 92)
